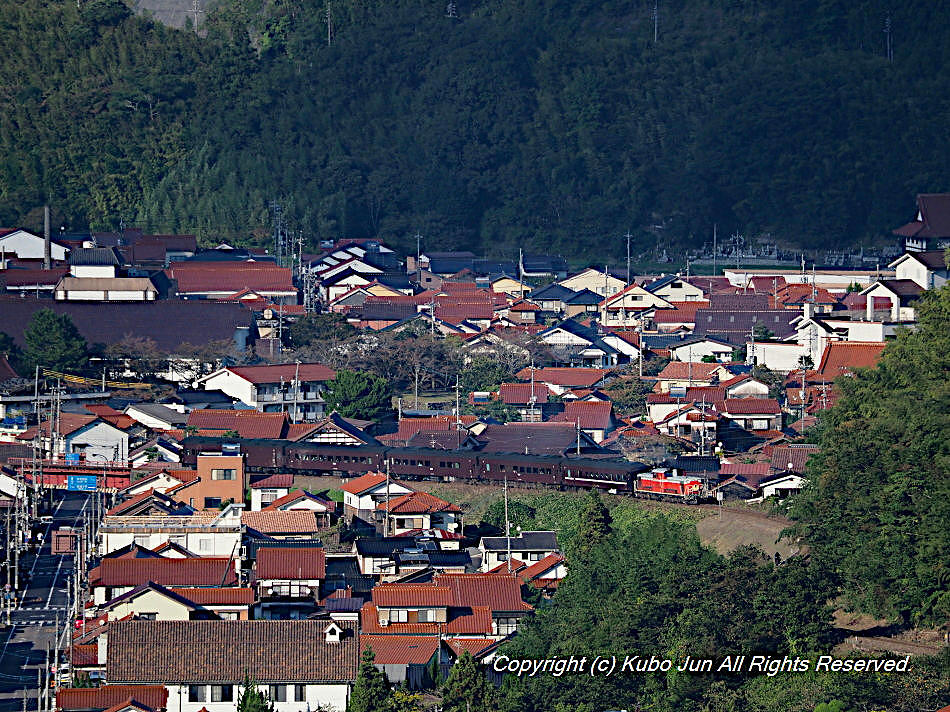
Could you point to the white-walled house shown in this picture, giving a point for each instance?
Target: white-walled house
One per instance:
(927, 269)
(296, 389)
(309, 663)
(81, 434)
(204, 533)
(362, 495)
(27, 246)
(529, 547)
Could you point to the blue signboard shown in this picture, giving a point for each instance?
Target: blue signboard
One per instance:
(81, 483)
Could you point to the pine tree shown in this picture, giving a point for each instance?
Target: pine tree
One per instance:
(595, 525)
(52, 340)
(371, 689)
(467, 689)
(251, 699)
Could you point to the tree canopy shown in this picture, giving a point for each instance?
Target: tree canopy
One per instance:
(549, 125)
(878, 502)
(371, 690)
(52, 341)
(359, 395)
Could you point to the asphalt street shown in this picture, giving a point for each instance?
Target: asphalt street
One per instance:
(40, 605)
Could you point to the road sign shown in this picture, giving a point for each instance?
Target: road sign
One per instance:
(81, 483)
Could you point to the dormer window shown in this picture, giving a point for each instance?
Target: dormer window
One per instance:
(332, 633)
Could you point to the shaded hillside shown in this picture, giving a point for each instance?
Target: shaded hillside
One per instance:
(557, 125)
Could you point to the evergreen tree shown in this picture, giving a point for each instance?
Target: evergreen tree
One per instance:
(466, 689)
(359, 395)
(53, 341)
(252, 699)
(9, 349)
(371, 689)
(595, 525)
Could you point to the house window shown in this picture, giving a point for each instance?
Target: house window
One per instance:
(212, 502)
(399, 615)
(196, 693)
(535, 556)
(277, 693)
(300, 693)
(147, 616)
(223, 474)
(268, 496)
(204, 544)
(142, 541)
(427, 615)
(222, 693)
(506, 626)
(228, 615)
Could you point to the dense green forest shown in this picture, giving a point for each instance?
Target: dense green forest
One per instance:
(483, 124)
(878, 506)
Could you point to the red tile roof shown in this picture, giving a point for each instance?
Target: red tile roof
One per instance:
(591, 415)
(284, 372)
(743, 468)
(439, 423)
(247, 423)
(231, 277)
(474, 621)
(842, 357)
(401, 649)
(543, 566)
(102, 698)
(521, 393)
(417, 503)
(278, 521)
(201, 571)
(683, 312)
(280, 479)
(85, 655)
(499, 592)
(749, 406)
(224, 596)
(476, 647)
(577, 377)
(367, 482)
(291, 563)
(683, 370)
(68, 424)
(412, 595)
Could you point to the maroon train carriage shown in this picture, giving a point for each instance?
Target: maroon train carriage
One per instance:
(517, 468)
(431, 464)
(610, 475)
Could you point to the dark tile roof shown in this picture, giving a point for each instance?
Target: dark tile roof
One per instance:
(169, 323)
(738, 302)
(227, 651)
(284, 373)
(205, 571)
(583, 298)
(94, 256)
(934, 209)
(736, 326)
(525, 541)
(552, 292)
(532, 438)
(794, 455)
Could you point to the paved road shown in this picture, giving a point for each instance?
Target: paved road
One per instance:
(24, 643)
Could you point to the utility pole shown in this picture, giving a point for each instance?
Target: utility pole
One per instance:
(196, 10)
(628, 236)
(887, 34)
(656, 20)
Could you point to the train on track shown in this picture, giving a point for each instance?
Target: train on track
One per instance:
(413, 464)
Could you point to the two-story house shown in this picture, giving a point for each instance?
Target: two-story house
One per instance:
(295, 388)
(418, 510)
(362, 494)
(288, 581)
(527, 546)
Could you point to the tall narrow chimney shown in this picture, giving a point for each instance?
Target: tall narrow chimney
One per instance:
(47, 248)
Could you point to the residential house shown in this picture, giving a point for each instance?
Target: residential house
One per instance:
(561, 380)
(288, 580)
(151, 601)
(753, 414)
(696, 348)
(296, 389)
(674, 288)
(115, 576)
(213, 658)
(593, 280)
(694, 422)
(247, 424)
(300, 524)
(531, 400)
(579, 345)
(627, 307)
(89, 436)
(155, 416)
(324, 510)
(927, 269)
(930, 229)
(221, 480)
(418, 510)
(528, 546)
(269, 488)
(27, 246)
(211, 533)
(551, 299)
(159, 480)
(201, 279)
(676, 376)
(542, 266)
(144, 698)
(410, 554)
(362, 495)
(505, 284)
(105, 289)
(842, 357)
(594, 418)
(900, 295)
(680, 315)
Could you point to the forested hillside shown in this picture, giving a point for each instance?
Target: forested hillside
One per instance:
(485, 125)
